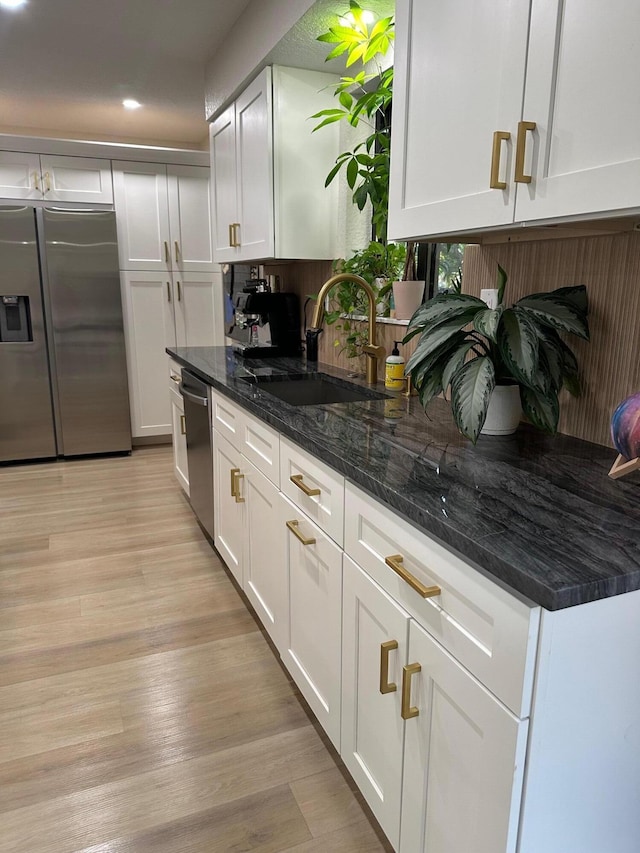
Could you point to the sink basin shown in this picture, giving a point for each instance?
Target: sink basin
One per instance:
(303, 389)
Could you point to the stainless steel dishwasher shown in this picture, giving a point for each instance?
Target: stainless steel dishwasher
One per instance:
(199, 448)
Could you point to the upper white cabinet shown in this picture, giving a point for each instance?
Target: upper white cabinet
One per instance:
(498, 131)
(55, 178)
(164, 217)
(269, 169)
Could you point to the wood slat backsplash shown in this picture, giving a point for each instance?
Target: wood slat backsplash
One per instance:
(609, 266)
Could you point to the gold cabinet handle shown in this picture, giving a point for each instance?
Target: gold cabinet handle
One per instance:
(395, 562)
(408, 671)
(499, 137)
(177, 249)
(175, 378)
(293, 527)
(296, 479)
(36, 181)
(168, 291)
(183, 425)
(167, 258)
(385, 685)
(47, 182)
(236, 241)
(235, 486)
(231, 243)
(521, 148)
(179, 292)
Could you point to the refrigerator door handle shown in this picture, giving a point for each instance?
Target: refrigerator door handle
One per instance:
(196, 398)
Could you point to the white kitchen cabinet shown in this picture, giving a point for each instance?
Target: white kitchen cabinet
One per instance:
(228, 505)
(311, 636)
(163, 217)
(374, 650)
(55, 178)
(451, 174)
(179, 432)
(269, 169)
(161, 310)
(464, 758)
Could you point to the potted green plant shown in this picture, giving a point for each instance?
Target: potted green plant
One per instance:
(484, 354)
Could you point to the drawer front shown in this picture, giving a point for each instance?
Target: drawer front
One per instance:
(490, 631)
(175, 375)
(227, 419)
(300, 474)
(261, 445)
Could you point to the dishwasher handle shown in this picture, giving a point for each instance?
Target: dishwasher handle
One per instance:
(195, 398)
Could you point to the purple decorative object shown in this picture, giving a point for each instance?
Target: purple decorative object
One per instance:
(625, 427)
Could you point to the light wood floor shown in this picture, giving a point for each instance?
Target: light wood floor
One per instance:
(141, 708)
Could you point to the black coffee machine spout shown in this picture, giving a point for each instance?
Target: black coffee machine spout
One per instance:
(312, 344)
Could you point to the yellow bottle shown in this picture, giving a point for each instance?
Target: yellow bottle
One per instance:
(394, 370)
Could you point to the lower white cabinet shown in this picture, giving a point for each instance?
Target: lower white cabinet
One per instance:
(179, 432)
(311, 638)
(228, 506)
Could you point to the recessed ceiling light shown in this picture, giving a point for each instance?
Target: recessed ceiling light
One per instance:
(12, 4)
(129, 103)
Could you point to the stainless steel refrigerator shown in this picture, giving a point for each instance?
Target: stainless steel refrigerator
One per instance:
(63, 376)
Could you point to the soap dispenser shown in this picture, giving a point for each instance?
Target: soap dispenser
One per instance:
(394, 370)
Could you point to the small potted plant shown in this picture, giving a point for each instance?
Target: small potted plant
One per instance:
(379, 264)
(408, 291)
(491, 358)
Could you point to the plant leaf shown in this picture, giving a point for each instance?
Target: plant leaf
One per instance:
(542, 410)
(443, 307)
(577, 295)
(518, 343)
(486, 322)
(434, 338)
(557, 312)
(502, 283)
(455, 362)
(471, 389)
(552, 362)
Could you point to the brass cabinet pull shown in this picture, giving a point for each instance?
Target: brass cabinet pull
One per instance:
(36, 181)
(177, 248)
(167, 258)
(236, 241)
(231, 243)
(499, 137)
(521, 148)
(395, 562)
(385, 685)
(296, 479)
(293, 527)
(408, 671)
(175, 378)
(179, 292)
(235, 487)
(168, 291)
(183, 425)
(47, 182)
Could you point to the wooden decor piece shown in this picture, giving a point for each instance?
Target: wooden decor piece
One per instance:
(623, 466)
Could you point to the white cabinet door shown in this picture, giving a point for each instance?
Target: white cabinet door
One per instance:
(254, 152)
(180, 464)
(228, 510)
(83, 179)
(222, 139)
(464, 759)
(264, 576)
(446, 107)
(149, 328)
(193, 295)
(312, 637)
(585, 152)
(140, 191)
(190, 218)
(20, 175)
(372, 728)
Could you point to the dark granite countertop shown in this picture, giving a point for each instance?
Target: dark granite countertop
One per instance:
(537, 512)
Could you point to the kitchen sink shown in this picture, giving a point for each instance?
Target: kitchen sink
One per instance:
(315, 389)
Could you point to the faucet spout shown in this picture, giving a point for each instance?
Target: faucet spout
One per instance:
(371, 349)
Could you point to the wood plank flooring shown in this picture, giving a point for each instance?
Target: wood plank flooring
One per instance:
(141, 708)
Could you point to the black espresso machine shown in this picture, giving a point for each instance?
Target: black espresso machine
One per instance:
(264, 323)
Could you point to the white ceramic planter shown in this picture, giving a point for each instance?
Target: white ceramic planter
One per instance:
(407, 298)
(504, 412)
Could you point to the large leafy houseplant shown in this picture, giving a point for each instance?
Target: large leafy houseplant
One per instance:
(468, 347)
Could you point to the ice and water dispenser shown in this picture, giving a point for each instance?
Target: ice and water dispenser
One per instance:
(15, 320)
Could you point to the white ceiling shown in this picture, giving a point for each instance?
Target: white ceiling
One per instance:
(66, 65)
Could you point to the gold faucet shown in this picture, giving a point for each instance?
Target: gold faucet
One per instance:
(371, 349)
